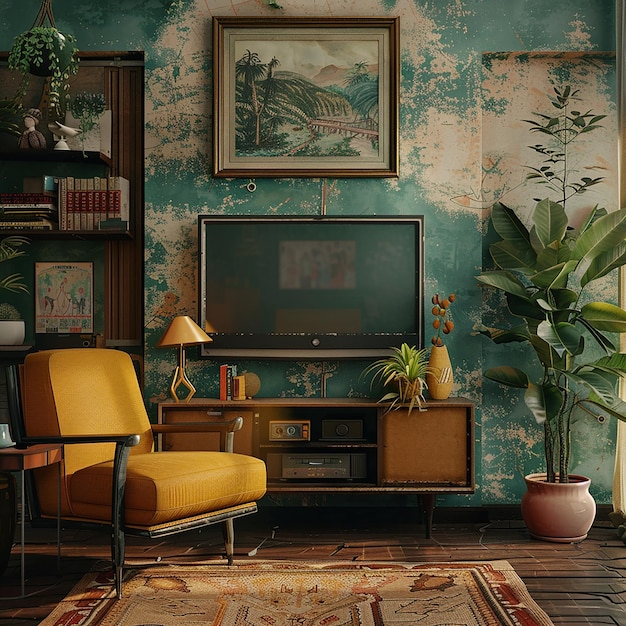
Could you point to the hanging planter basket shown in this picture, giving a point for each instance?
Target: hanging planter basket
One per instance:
(43, 50)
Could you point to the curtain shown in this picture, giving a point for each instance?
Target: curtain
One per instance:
(619, 478)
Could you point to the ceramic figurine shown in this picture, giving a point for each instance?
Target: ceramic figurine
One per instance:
(31, 138)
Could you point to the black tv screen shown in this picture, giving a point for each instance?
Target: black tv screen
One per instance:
(310, 287)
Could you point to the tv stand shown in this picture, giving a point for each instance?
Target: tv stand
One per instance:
(343, 445)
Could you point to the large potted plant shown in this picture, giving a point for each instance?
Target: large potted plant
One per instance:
(546, 270)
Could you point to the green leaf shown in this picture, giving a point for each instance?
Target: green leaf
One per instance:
(508, 256)
(604, 263)
(523, 307)
(503, 280)
(562, 337)
(509, 226)
(605, 316)
(506, 335)
(554, 277)
(602, 387)
(544, 401)
(550, 222)
(606, 233)
(509, 376)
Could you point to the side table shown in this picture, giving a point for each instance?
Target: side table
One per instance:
(31, 457)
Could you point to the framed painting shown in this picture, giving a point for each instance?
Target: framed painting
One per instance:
(298, 96)
(64, 298)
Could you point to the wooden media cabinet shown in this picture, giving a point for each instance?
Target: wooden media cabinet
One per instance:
(336, 445)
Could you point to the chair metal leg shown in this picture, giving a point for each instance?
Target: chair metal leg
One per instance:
(229, 539)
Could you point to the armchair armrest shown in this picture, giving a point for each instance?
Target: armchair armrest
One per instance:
(123, 444)
(226, 430)
(127, 440)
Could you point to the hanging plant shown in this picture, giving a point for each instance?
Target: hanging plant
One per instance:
(43, 50)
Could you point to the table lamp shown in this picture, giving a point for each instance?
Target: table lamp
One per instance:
(182, 332)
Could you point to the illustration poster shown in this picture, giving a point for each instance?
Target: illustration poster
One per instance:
(64, 298)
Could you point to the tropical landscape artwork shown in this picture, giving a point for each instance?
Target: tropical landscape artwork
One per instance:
(304, 99)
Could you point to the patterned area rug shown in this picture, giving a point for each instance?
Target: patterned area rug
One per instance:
(304, 594)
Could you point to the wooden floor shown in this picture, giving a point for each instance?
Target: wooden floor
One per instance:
(581, 583)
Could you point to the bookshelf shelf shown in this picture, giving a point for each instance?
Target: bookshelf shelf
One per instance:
(67, 234)
(55, 156)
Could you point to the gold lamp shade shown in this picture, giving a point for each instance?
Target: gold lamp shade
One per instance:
(182, 331)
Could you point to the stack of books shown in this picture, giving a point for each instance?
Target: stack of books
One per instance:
(28, 211)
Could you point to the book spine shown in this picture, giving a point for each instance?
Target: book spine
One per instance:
(26, 198)
(70, 203)
(223, 381)
(62, 185)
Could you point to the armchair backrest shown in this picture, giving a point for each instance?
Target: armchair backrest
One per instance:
(81, 391)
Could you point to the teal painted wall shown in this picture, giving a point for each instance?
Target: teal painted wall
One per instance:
(443, 168)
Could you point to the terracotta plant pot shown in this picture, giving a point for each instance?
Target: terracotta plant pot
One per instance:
(558, 512)
(440, 379)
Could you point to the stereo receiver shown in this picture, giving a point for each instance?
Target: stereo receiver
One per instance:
(316, 465)
(290, 430)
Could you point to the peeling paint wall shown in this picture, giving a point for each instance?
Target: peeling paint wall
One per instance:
(446, 173)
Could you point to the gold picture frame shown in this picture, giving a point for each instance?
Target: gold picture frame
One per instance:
(305, 97)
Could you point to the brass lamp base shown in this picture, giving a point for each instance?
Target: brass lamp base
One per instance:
(180, 378)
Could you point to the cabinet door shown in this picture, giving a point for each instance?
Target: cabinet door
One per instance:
(207, 441)
(431, 447)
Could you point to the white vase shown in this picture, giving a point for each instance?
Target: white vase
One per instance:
(12, 332)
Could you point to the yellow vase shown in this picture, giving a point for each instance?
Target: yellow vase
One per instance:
(440, 378)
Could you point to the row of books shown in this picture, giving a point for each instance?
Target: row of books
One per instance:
(232, 387)
(93, 203)
(74, 204)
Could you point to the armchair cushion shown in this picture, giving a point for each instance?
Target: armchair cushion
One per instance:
(158, 492)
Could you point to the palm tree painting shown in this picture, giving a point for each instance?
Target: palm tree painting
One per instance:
(304, 101)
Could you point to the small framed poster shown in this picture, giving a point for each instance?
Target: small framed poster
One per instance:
(63, 298)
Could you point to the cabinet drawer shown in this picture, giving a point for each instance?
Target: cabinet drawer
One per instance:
(206, 441)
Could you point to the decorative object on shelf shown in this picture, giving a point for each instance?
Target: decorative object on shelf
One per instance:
(32, 138)
(440, 377)
(544, 270)
(62, 133)
(12, 327)
(405, 371)
(87, 109)
(5, 437)
(45, 51)
(252, 384)
(182, 332)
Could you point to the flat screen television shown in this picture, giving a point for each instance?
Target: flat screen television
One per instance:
(310, 287)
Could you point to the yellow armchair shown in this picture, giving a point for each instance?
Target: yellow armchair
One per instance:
(90, 400)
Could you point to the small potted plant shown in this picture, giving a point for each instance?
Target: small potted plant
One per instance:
(12, 327)
(404, 371)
